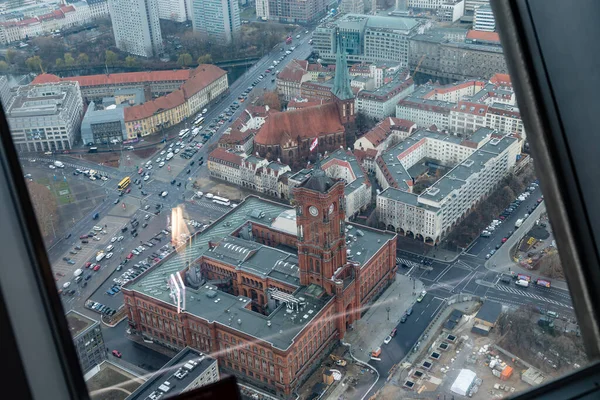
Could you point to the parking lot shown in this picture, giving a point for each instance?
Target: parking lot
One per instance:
(156, 224)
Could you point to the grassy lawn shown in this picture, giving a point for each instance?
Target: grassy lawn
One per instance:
(57, 187)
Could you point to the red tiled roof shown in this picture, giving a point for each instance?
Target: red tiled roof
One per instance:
(452, 88)
(235, 136)
(471, 108)
(483, 36)
(46, 78)
(295, 104)
(308, 122)
(501, 79)
(293, 71)
(156, 106)
(27, 21)
(382, 130)
(66, 9)
(200, 78)
(369, 154)
(125, 77)
(221, 156)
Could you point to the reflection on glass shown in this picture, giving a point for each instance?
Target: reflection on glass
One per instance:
(347, 209)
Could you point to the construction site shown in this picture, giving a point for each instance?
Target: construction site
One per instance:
(473, 354)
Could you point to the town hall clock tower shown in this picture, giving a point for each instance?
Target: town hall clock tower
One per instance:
(320, 216)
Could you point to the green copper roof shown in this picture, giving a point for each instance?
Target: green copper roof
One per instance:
(341, 82)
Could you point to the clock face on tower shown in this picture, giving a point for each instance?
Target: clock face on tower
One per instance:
(313, 211)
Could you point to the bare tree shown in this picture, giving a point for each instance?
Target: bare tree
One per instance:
(551, 266)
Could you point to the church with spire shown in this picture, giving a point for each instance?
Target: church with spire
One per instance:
(287, 136)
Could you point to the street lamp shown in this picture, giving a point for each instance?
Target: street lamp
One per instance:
(388, 312)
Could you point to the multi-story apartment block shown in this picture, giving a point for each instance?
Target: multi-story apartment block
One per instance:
(248, 171)
(88, 340)
(98, 9)
(484, 19)
(465, 107)
(291, 11)
(188, 370)
(471, 5)
(475, 168)
(174, 10)
(181, 94)
(45, 117)
(441, 53)
(381, 102)
(42, 20)
(290, 78)
(386, 133)
(352, 6)
(262, 9)
(136, 27)
(451, 10)
(219, 19)
(366, 38)
(425, 4)
(97, 87)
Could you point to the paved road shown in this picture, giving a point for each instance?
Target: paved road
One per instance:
(201, 209)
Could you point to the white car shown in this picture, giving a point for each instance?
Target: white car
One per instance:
(109, 255)
(149, 167)
(134, 251)
(204, 111)
(51, 167)
(162, 164)
(164, 194)
(104, 178)
(67, 284)
(162, 153)
(158, 160)
(109, 247)
(120, 238)
(147, 207)
(113, 240)
(176, 151)
(96, 238)
(146, 177)
(387, 340)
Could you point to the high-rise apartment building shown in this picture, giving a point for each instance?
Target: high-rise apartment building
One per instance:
(219, 19)
(484, 19)
(292, 11)
(136, 26)
(174, 10)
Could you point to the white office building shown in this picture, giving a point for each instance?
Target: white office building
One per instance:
(45, 117)
(219, 19)
(98, 9)
(136, 27)
(484, 19)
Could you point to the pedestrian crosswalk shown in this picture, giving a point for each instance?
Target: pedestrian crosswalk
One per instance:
(212, 206)
(410, 264)
(525, 293)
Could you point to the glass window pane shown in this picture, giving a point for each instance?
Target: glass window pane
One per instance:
(313, 186)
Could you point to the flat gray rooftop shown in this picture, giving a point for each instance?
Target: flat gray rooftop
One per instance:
(166, 374)
(210, 304)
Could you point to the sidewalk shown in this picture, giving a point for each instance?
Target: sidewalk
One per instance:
(369, 332)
